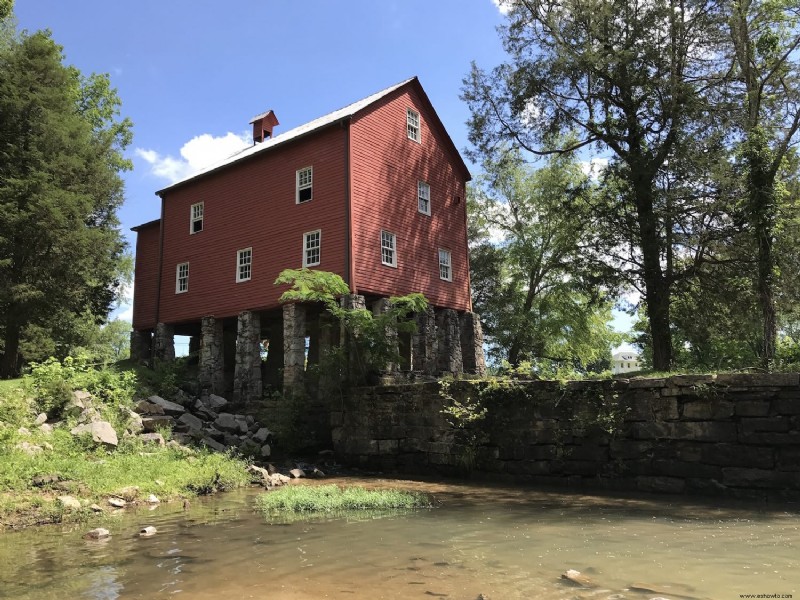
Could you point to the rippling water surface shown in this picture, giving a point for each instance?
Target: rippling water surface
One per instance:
(503, 542)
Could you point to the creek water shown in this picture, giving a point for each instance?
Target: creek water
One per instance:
(502, 542)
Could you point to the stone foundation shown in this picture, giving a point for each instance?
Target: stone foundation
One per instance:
(448, 336)
(141, 345)
(247, 373)
(472, 343)
(294, 347)
(164, 343)
(729, 435)
(211, 371)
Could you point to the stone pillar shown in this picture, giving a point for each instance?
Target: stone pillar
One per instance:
(294, 347)
(164, 342)
(247, 373)
(381, 306)
(141, 345)
(448, 333)
(423, 343)
(356, 369)
(211, 370)
(472, 343)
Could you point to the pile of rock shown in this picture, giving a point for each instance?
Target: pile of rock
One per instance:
(204, 421)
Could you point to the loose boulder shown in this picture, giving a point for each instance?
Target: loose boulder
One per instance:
(191, 422)
(170, 408)
(69, 502)
(152, 438)
(101, 431)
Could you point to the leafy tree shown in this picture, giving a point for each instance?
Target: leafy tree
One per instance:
(370, 346)
(61, 144)
(531, 270)
(624, 76)
(765, 38)
(6, 9)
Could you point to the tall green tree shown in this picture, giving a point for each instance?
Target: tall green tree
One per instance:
(765, 38)
(531, 270)
(61, 145)
(625, 76)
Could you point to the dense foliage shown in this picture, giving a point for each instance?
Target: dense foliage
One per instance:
(534, 276)
(61, 252)
(695, 106)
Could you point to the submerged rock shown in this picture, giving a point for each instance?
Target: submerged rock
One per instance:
(577, 578)
(148, 531)
(99, 533)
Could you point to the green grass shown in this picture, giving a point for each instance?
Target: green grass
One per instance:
(332, 500)
(7, 385)
(84, 470)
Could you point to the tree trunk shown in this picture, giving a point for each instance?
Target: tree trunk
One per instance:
(657, 285)
(9, 366)
(516, 346)
(763, 209)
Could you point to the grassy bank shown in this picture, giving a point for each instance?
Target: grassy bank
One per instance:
(40, 463)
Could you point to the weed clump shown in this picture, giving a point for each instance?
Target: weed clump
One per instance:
(332, 500)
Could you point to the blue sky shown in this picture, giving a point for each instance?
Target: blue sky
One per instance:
(192, 73)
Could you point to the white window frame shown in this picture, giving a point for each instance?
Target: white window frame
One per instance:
(388, 244)
(413, 129)
(301, 184)
(181, 279)
(306, 248)
(447, 264)
(244, 264)
(196, 213)
(424, 196)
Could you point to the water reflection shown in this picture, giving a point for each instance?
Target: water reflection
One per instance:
(502, 542)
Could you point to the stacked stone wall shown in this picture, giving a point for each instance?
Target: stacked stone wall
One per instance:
(730, 435)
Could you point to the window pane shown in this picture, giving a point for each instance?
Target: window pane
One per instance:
(444, 265)
(388, 248)
(304, 184)
(424, 197)
(311, 250)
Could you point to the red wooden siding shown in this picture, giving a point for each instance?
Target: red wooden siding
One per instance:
(252, 204)
(145, 294)
(386, 167)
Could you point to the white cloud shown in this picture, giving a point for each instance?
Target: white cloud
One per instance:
(124, 311)
(126, 314)
(594, 167)
(195, 155)
(504, 6)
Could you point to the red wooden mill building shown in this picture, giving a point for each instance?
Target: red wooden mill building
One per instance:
(374, 192)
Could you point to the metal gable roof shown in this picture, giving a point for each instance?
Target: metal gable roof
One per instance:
(292, 134)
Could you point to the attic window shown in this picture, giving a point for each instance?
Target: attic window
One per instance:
(304, 181)
(196, 218)
(412, 124)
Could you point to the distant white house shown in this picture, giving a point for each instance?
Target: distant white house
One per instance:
(624, 362)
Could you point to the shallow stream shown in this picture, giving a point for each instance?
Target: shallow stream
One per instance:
(502, 542)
